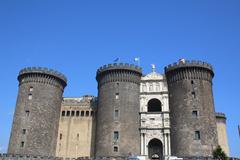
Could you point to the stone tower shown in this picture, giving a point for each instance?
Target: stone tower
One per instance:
(222, 132)
(117, 132)
(36, 118)
(192, 115)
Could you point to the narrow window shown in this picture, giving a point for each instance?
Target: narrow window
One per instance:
(116, 113)
(151, 87)
(87, 113)
(24, 131)
(157, 87)
(31, 89)
(77, 113)
(30, 96)
(22, 144)
(115, 149)
(197, 135)
(144, 87)
(27, 113)
(68, 113)
(115, 135)
(82, 113)
(193, 94)
(73, 113)
(192, 82)
(92, 113)
(63, 113)
(60, 136)
(195, 114)
(117, 95)
(78, 136)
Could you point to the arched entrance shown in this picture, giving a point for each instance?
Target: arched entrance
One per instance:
(155, 149)
(154, 105)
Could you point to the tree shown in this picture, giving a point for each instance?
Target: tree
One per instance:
(219, 154)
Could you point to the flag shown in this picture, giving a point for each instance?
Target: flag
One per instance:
(136, 59)
(116, 60)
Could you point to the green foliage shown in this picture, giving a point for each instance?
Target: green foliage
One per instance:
(219, 154)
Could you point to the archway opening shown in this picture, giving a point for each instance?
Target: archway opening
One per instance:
(155, 149)
(154, 105)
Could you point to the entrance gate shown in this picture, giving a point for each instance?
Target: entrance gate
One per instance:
(155, 149)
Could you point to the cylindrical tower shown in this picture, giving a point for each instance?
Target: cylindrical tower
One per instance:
(222, 132)
(192, 115)
(36, 118)
(117, 131)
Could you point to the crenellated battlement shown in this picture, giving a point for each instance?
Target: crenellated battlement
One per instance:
(188, 63)
(119, 66)
(86, 99)
(43, 70)
(189, 70)
(27, 157)
(122, 72)
(42, 75)
(220, 115)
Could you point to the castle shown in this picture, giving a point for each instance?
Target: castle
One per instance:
(154, 115)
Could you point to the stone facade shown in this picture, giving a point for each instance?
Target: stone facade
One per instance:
(77, 127)
(192, 114)
(154, 115)
(222, 132)
(36, 118)
(155, 123)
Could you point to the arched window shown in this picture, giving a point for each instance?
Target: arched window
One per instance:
(154, 105)
(87, 113)
(82, 113)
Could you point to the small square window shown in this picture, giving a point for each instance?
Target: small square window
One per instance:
(30, 96)
(193, 94)
(195, 114)
(117, 95)
(22, 144)
(115, 149)
(24, 131)
(27, 112)
(197, 135)
(31, 89)
(116, 113)
(116, 135)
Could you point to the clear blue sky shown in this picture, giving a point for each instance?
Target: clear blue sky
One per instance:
(76, 37)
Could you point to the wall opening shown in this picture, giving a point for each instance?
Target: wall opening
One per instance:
(154, 105)
(155, 149)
